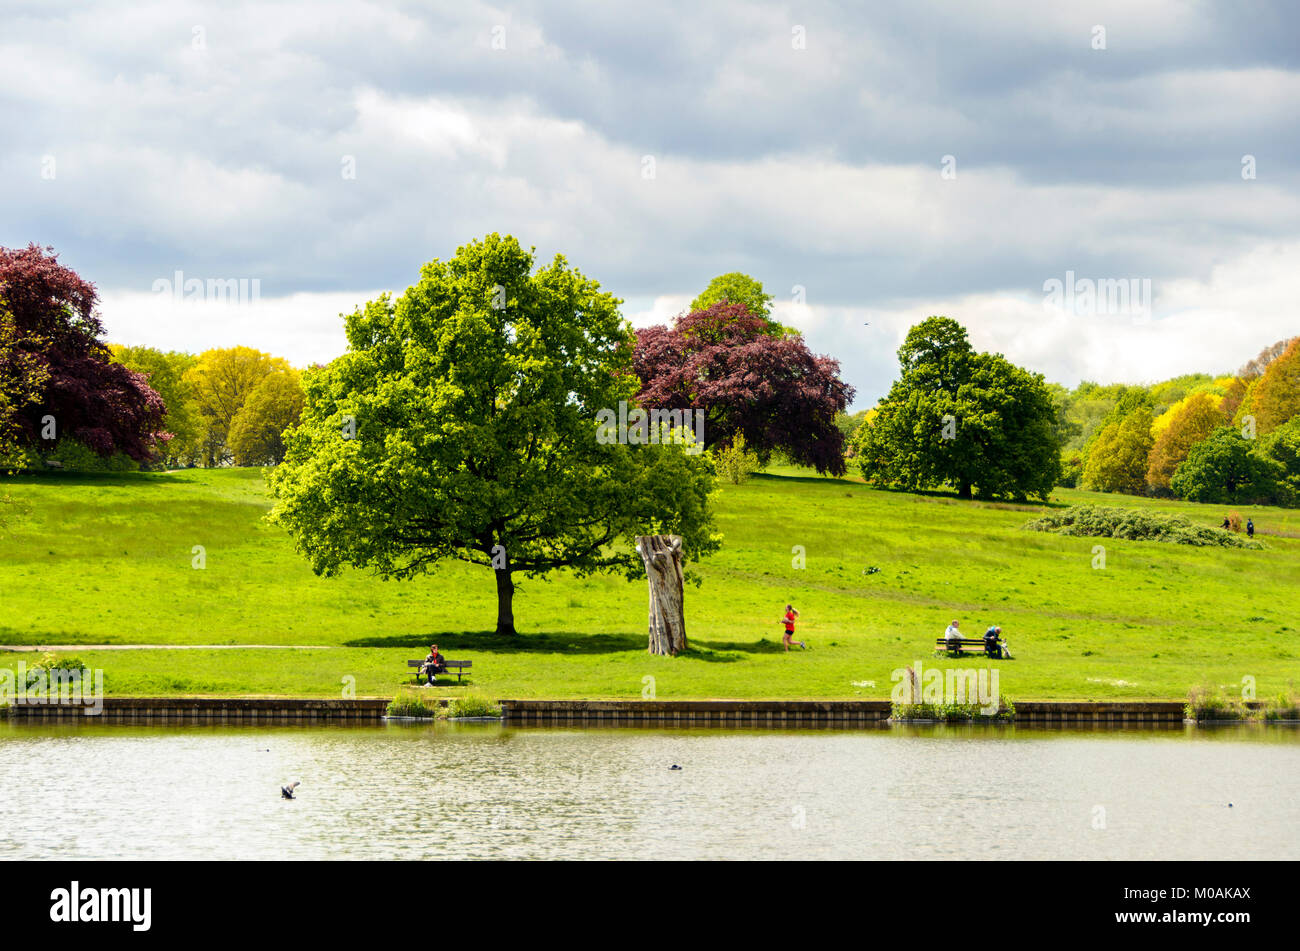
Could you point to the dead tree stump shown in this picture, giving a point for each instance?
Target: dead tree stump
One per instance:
(662, 555)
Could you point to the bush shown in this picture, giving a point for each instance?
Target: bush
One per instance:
(952, 712)
(414, 705)
(1103, 521)
(1285, 707)
(1208, 703)
(421, 704)
(41, 670)
(75, 457)
(734, 463)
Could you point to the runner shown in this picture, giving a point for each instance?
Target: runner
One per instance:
(788, 621)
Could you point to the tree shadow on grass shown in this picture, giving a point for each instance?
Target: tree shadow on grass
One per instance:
(557, 642)
(552, 642)
(77, 477)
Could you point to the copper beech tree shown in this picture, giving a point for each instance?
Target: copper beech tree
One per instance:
(52, 339)
(725, 361)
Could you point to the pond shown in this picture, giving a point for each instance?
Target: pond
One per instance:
(472, 790)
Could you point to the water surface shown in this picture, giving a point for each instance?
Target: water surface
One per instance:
(430, 791)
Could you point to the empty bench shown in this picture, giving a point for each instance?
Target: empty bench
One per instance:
(460, 666)
(974, 645)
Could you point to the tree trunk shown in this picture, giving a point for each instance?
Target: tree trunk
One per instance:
(964, 491)
(505, 602)
(662, 555)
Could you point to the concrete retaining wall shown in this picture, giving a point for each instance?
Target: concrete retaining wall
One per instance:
(808, 712)
(237, 709)
(1090, 712)
(609, 712)
(698, 712)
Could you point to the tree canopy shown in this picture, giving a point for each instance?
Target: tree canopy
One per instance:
(1275, 396)
(771, 389)
(736, 288)
(257, 431)
(1226, 468)
(1119, 457)
(1192, 420)
(165, 372)
(221, 381)
(53, 333)
(973, 420)
(461, 423)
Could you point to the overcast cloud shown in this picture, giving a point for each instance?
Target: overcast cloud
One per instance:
(217, 139)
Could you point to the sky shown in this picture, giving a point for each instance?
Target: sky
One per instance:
(870, 164)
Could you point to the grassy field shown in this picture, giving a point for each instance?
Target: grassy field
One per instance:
(94, 560)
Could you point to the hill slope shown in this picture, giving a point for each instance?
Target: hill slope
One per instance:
(108, 560)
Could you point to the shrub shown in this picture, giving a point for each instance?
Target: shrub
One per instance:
(1102, 521)
(40, 671)
(410, 704)
(419, 703)
(1286, 706)
(952, 712)
(72, 456)
(1209, 703)
(734, 462)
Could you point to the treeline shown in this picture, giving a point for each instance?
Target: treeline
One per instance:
(69, 399)
(975, 423)
(1234, 438)
(227, 406)
(956, 417)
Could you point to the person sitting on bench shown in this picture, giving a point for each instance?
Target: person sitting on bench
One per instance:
(951, 635)
(433, 664)
(993, 642)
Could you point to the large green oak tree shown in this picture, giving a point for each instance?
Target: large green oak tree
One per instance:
(461, 423)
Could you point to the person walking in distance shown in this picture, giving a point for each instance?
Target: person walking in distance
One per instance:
(788, 621)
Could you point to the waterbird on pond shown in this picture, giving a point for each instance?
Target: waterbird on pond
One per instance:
(674, 766)
(287, 791)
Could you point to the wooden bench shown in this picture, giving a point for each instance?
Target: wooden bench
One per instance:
(460, 666)
(975, 645)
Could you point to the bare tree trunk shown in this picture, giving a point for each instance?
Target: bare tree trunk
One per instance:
(662, 555)
(505, 602)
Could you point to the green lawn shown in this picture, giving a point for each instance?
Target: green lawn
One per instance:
(107, 560)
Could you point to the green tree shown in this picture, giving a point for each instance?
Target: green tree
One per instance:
(257, 431)
(974, 420)
(463, 422)
(737, 288)
(1282, 445)
(1225, 468)
(1118, 458)
(165, 372)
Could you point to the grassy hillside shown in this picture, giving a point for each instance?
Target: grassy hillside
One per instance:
(107, 560)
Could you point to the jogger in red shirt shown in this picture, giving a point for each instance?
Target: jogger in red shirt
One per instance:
(788, 621)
